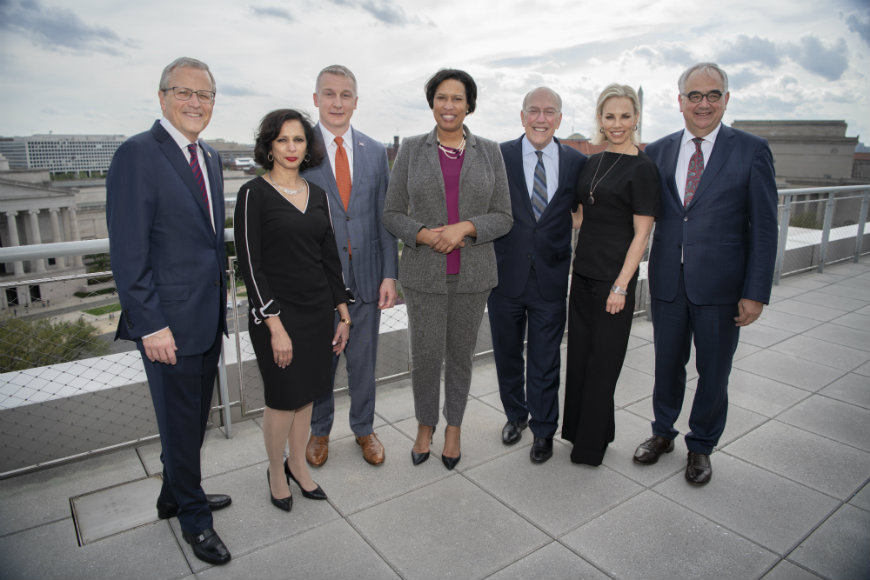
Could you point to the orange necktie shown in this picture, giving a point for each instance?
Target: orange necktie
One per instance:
(342, 172)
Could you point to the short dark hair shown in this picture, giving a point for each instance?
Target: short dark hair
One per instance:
(270, 128)
(456, 74)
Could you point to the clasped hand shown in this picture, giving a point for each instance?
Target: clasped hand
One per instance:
(445, 239)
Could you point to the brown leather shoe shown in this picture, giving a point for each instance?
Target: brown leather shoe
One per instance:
(650, 450)
(372, 450)
(317, 450)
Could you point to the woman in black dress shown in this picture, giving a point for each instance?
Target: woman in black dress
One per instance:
(618, 198)
(289, 259)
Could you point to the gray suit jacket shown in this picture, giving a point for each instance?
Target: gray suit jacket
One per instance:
(375, 252)
(415, 199)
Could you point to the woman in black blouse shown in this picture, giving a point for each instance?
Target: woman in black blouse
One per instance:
(288, 257)
(618, 198)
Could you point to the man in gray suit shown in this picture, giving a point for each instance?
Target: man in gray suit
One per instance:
(355, 178)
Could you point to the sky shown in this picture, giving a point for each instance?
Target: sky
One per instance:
(93, 66)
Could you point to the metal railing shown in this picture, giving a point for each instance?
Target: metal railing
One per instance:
(85, 394)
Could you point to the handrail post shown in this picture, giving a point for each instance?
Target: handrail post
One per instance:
(826, 230)
(862, 221)
(784, 220)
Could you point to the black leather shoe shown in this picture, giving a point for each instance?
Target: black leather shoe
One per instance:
(216, 501)
(418, 458)
(450, 462)
(513, 431)
(650, 450)
(698, 468)
(286, 503)
(316, 494)
(542, 449)
(207, 546)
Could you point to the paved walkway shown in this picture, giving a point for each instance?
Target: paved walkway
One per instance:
(789, 496)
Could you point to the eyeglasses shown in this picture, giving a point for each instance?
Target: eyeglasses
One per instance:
(185, 94)
(697, 96)
(533, 112)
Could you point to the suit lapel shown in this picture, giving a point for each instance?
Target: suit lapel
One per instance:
(721, 151)
(216, 186)
(514, 162)
(360, 164)
(179, 163)
(327, 177)
(670, 154)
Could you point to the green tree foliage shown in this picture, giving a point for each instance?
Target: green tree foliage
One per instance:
(26, 344)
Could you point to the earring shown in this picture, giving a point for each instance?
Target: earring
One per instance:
(307, 158)
(269, 157)
(601, 130)
(635, 128)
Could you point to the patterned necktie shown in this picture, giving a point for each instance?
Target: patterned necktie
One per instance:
(342, 172)
(197, 174)
(539, 188)
(693, 176)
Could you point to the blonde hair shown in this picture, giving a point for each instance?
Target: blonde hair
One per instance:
(610, 91)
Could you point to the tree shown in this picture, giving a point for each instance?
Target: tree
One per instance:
(26, 344)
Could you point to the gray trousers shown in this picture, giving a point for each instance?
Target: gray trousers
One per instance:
(443, 331)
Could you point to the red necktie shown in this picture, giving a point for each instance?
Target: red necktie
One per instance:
(197, 173)
(693, 176)
(342, 172)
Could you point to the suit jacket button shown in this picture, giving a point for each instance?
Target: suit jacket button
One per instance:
(347, 218)
(686, 218)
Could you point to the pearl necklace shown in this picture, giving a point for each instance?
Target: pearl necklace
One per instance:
(453, 152)
(281, 188)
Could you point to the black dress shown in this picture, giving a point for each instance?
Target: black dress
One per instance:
(291, 268)
(597, 340)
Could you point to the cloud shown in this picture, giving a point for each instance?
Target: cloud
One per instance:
(236, 90)
(58, 28)
(749, 49)
(860, 26)
(665, 54)
(742, 79)
(386, 11)
(272, 12)
(814, 56)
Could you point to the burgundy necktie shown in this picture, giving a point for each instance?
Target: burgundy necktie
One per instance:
(197, 173)
(693, 176)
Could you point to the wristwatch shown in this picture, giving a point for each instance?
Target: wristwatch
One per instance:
(617, 290)
(346, 321)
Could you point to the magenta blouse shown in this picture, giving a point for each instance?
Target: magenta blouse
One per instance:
(450, 169)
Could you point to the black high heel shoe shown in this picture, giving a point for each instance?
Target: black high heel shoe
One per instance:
(418, 458)
(450, 462)
(316, 494)
(285, 504)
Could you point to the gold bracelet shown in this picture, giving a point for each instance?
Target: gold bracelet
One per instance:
(346, 321)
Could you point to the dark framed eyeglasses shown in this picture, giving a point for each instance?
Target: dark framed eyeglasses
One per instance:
(697, 96)
(185, 94)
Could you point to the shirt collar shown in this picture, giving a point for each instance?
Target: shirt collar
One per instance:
(329, 138)
(711, 136)
(176, 135)
(550, 151)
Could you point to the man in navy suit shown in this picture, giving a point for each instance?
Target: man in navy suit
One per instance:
(533, 263)
(711, 263)
(369, 254)
(165, 213)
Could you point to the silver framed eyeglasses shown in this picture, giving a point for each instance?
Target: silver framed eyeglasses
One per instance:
(185, 94)
(697, 96)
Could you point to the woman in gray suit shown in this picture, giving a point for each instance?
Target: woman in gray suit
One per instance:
(447, 201)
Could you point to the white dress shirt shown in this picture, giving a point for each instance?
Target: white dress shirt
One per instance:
(687, 149)
(551, 166)
(331, 147)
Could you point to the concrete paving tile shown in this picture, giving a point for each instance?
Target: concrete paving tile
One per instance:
(556, 496)
(252, 522)
(649, 537)
(785, 570)
(790, 370)
(815, 461)
(864, 369)
(745, 349)
(115, 509)
(396, 403)
(859, 320)
(451, 528)
(51, 551)
(822, 352)
(845, 288)
(553, 561)
(632, 386)
(631, 431)
(851, 388)
(738, 422)
(804, 281)
(781, 292)
(643, 359)
(636, 342)
(768, 509)
(642, 328)
(831, 418)
(333, 550)
(219, 454)
(43, 496)
(805, 310)
(353, 484)
(760, 394)
(838, 549)
(843, 335)
(862, 498)
(833, 301)
(762, 335)
(784, 321)
(484, 379)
